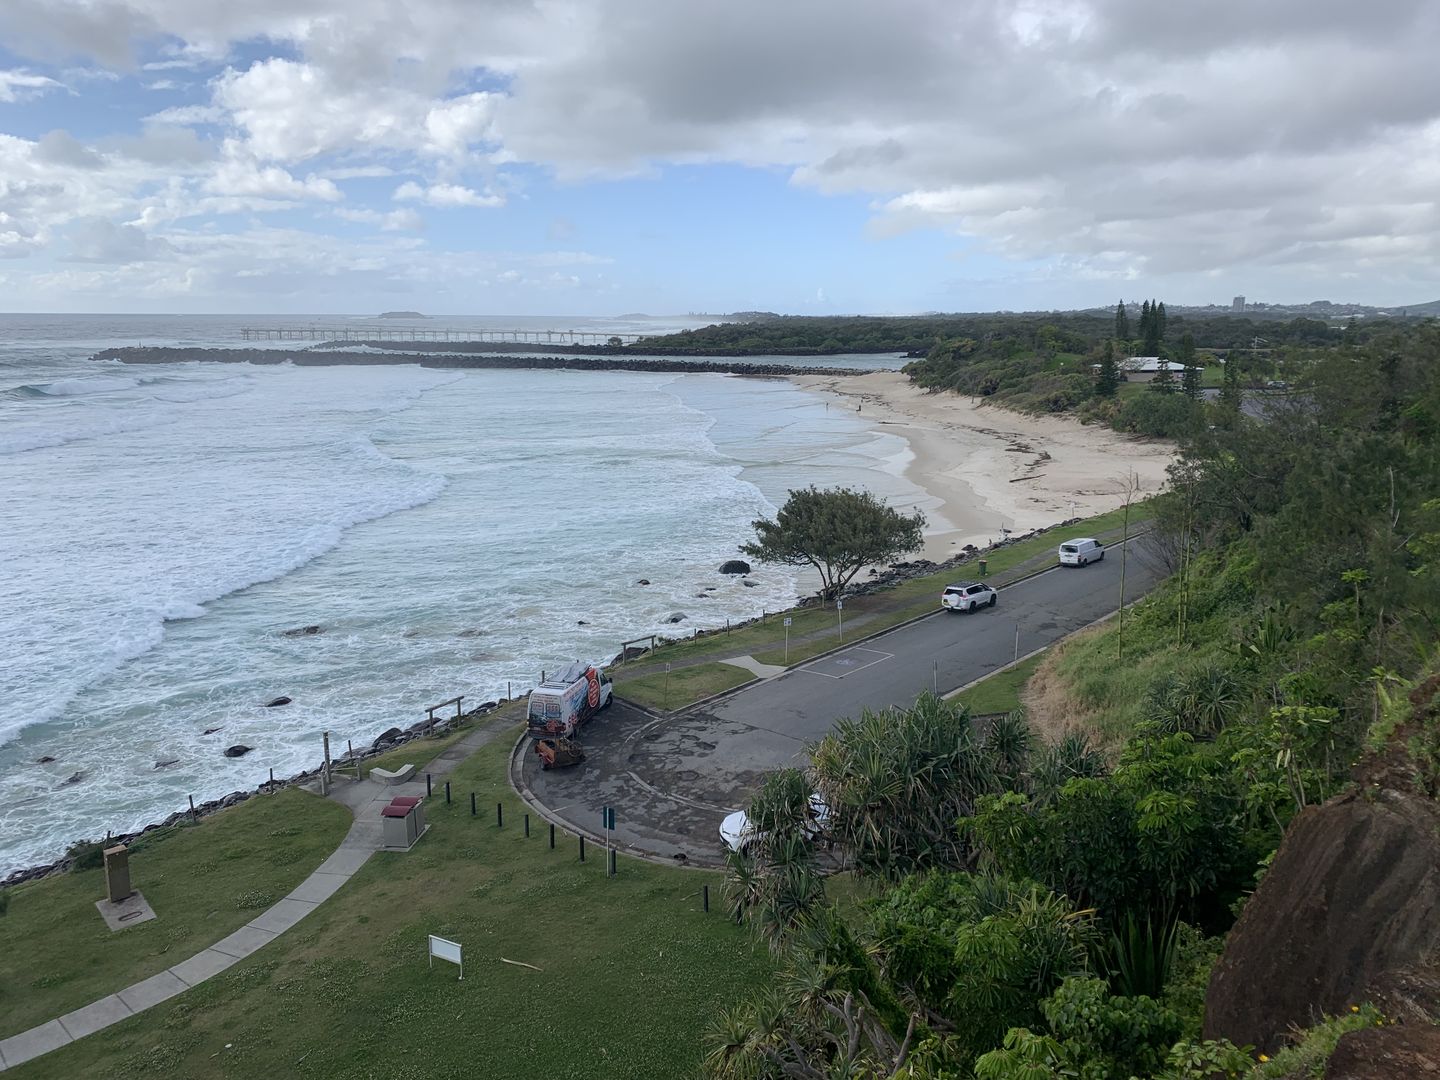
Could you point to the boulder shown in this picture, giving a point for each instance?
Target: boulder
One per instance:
(387, 736)
(75, 778)
(676, 616)
(238, 750)
(274, 703)
(167, 763)
(643, 581)
(581, 622)
(1411, 1050)
(305, 631)
(210, 731)
(735, 566)
(1349, 910)
(46, 760)
(472, 632)
(750, 584)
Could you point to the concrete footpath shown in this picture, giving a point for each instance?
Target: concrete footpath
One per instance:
(364, 798)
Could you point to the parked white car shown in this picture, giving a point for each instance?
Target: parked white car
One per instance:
(1081, 552)
(967, 596)
(739, 832)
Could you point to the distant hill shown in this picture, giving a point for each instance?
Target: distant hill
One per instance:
(1432, 308)
(401, 315)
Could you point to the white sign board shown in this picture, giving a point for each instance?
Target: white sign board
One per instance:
(839, 605)
(787, 620)
(446, 950)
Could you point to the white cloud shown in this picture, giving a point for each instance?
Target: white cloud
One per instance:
(445, 195)
(402, 220)
(20, 85)
(1090, 135)
(238, 175)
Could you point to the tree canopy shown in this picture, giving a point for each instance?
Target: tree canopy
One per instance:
(837, 531)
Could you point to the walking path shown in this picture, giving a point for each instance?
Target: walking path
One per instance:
(365, 798)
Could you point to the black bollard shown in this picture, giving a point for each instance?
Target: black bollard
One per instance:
(705, 897)
(427, 785)
(582, 849)
(499, 815)
(527, 824)
(447, 792)
(472, 804)
(552, 836)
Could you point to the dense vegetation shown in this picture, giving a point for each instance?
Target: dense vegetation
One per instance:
(1041, 910)
(803, 335)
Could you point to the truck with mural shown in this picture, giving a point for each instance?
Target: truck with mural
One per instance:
(566, 699)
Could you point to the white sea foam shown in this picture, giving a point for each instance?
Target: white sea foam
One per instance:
(449, 530)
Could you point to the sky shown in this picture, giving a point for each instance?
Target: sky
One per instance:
(593, 157)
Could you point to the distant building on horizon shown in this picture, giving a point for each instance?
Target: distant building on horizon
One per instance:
(1238, 304)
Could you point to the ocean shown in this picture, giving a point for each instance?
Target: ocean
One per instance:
(451, 532)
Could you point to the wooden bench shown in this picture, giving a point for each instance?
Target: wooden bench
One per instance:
(399, 776)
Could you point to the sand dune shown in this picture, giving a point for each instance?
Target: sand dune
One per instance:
(989, 467)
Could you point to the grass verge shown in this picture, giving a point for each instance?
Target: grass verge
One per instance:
(1000, 693)
(631, 969)
(203, 880)
(686, 685)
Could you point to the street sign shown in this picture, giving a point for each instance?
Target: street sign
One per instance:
(667, 669)
(839, 605)
(787, 620)
(446, 950)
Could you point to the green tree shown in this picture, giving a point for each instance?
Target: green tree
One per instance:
(896, 781)
(1151, 329)
(1164, 381)
(1230, 389)
(1107, 381)
(1122, 322)
(837, 531)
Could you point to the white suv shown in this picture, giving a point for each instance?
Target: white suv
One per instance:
(967, 596)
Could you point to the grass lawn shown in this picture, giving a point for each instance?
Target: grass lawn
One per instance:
(1000, 693)
(203, 881)
(686, 685)
(420, 752)
(631, 969)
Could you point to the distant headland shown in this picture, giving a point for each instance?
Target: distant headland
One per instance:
(401, 315)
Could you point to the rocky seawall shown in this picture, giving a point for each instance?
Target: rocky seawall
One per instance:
(382, 744)
(311, 357)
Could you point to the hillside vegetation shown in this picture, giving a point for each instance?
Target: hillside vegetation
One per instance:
(1041, 909)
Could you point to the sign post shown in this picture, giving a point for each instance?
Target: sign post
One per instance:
(840, 614)
(787, 640)
(446, 950)
(667, 686)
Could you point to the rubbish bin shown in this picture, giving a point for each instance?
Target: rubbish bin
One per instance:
(398, 826)
(418, 803)
(982, 568)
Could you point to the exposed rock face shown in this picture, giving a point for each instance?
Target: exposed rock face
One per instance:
(304, 631)
(1409, 1050)
(735, 566)
(46, 760)
(238, 750)
(1349, 910)
(277, 702)
(1353, 893)
(678, 616)
(387, 736)
(643, 581)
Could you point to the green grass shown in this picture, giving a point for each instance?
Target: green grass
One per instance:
(420, 752)
(631, 972)
(1000, 693)
(686, 685)
(203, 881)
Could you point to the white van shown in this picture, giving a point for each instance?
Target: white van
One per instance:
(1080, 552)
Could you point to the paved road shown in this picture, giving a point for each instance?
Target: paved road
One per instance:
(671, 780)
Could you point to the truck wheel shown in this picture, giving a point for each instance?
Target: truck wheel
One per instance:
(993, 598)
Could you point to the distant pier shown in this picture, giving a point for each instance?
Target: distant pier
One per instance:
(422, 333)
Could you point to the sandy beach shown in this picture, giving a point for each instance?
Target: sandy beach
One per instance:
(985, 468)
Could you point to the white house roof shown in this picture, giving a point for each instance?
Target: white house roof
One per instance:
(1144, 363)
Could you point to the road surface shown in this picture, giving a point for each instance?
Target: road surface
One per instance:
(672, 779)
